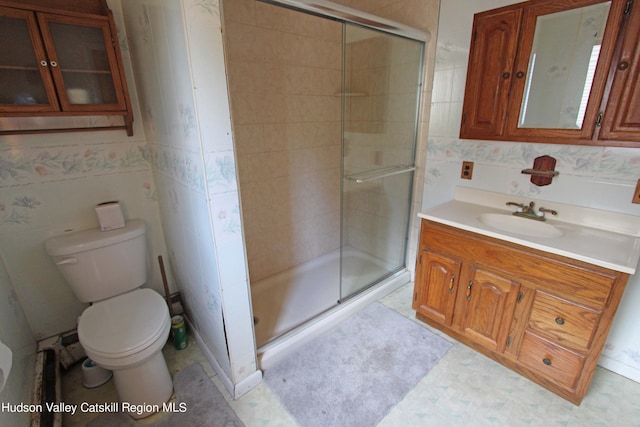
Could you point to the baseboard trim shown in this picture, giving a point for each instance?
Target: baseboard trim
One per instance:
(620, 368)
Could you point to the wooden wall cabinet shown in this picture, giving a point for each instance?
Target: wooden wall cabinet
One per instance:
(521, 86)
(621, 121)
(61, 58)
(542, 315)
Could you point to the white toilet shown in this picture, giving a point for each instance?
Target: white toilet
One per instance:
(126, 327)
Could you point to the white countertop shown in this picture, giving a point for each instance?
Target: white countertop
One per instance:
(602, 238)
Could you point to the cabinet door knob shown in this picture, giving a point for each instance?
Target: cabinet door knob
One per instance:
(520, 74)
(54, 63)
(546, 361)
(559, 320)
(43, 63)
(623, 65)
(506, 75)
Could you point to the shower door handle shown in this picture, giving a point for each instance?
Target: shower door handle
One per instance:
(361, 177)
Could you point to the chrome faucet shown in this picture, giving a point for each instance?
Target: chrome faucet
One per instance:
(528, 211)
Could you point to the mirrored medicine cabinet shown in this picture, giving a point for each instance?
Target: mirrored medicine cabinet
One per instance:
(555, 72)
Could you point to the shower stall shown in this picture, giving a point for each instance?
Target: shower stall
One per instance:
(325, 111)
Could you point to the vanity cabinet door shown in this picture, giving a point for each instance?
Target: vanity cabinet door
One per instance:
(622, 113)
(436, 286)
(493, 52)
(486, 305)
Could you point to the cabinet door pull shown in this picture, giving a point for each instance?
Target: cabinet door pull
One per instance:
(469, 290)
(559, 320)
(623, 65)
(546, 361)
(453, 278)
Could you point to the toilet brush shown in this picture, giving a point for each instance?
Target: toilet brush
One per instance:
(167, 295)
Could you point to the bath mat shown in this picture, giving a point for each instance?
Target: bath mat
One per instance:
(355, 373)
(205, 405)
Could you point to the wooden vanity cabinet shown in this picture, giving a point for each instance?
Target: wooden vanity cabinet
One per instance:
(61, 58)
(512, 95)
(542, 315)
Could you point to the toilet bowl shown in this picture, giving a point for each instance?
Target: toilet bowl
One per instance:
(126, 326)
(125, 334)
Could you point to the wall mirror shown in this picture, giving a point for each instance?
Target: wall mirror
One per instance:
(562, 65)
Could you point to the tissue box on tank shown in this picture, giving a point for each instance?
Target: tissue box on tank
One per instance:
(110, 216)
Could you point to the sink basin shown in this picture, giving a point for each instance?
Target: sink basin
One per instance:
(522, 226)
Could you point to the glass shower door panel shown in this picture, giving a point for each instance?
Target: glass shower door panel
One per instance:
(381, 87)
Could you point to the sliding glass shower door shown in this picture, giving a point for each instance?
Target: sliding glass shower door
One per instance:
(381, 93)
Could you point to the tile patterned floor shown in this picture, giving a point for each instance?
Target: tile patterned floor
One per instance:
(463, 389)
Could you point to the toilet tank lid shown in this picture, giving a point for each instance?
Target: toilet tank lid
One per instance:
(85, 240)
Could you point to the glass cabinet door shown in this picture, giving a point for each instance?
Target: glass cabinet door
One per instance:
(83, 63)
(26, 81)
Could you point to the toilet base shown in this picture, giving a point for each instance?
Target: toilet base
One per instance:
(143, 389)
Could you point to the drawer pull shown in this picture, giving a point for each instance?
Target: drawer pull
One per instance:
(546, 361)
(559, 320)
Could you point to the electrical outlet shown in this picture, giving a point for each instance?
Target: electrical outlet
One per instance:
(467, 170)
(636, 194)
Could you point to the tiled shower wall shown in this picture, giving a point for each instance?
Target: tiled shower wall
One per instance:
(284, 69)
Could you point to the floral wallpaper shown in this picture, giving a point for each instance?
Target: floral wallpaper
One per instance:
(176, 48)
(19, 211)
(21, 168)
(601, 162)
(17, 166)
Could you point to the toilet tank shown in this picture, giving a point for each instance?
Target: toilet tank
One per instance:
(101, 264)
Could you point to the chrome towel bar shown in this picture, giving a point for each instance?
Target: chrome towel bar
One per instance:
(379, 173)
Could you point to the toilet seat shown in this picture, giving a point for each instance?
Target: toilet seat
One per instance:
(122, 326)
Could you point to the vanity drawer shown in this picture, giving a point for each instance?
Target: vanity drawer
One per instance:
(551, 360)
(563, 321)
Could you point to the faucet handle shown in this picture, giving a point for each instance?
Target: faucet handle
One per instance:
(520, 205)
(545, 210)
